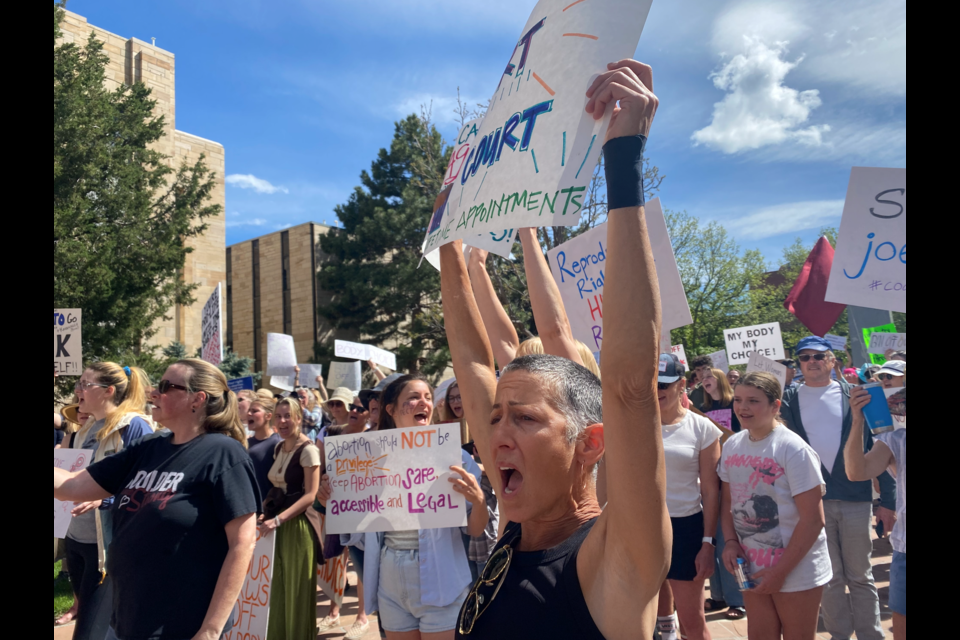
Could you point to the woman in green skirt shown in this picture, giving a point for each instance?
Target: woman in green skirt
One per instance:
(295, 476)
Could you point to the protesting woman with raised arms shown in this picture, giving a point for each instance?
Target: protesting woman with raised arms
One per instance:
(564, 568)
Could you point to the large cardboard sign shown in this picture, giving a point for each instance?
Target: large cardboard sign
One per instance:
(870, 267)
(254, 599)
(281, 355)
(868, 333)
(880, 343)
(309, 374)
(67, 342)
(394, 480)
(681, 353)
(210, 326)
(364, 352)
(766, 339)
(532, 159)
(332, 577)
(345, 374)
(765, 365)
(579, 267)
(72, 460)
(720, 361)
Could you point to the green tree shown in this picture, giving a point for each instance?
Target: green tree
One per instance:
(121, 214)
(377, 289)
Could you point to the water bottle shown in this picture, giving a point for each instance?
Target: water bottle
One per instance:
(743, 576)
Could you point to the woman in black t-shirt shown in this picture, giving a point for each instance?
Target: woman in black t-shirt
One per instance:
(565, 568)
(184, 515)
(718, 400)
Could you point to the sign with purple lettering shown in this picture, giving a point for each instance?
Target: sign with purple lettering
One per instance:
(870, 267)
(531, 161)
(579, 268)
(395, 480)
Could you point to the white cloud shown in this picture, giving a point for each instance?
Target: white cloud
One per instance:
(786, 218)
(443, 108)
(759, 109)
(256, 222)
(253, 182)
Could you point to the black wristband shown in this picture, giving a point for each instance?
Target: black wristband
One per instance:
(623, 161)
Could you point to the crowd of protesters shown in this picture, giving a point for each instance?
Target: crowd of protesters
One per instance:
(600, 498)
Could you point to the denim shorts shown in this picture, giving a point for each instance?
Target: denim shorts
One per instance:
(898, 584)
(401, 606)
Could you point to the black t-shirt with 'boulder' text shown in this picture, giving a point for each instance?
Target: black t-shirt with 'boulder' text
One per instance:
(172, 503)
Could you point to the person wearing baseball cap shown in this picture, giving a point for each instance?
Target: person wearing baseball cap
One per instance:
(819, 412)
(691, 445)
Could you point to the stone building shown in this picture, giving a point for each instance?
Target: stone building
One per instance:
(133, 60)
(272, 288)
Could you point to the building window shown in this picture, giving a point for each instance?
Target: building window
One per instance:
(287, 306)
(256, 306)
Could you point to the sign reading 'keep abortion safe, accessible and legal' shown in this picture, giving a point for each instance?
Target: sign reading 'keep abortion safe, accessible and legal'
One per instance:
(67, 348)
(395, 480)
(765, 339)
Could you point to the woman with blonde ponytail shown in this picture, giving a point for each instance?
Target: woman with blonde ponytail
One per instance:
(115, 398)
(185, 518)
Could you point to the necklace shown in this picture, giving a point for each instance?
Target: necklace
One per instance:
(752, 439)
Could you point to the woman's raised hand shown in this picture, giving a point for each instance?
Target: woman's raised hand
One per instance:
(629, 83)
(467, 486)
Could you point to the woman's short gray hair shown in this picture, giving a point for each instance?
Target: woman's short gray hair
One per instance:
(571, 389)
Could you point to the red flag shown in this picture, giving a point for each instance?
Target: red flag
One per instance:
(807, 300)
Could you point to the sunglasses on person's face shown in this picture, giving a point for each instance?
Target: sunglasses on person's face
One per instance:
(820, 357)
(663, 386)
(493, 577)
(166, 387)
(336, 405)
(884, 377)
(354, 408)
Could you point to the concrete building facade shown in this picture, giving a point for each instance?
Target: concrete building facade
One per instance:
(272, 288)
(130, 61)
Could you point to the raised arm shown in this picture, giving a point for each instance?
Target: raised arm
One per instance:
(553, 325)
(472, 355)
(864, 466)
(500, 330)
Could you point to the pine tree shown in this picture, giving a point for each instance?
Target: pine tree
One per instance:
(378, 289)
(121, 214)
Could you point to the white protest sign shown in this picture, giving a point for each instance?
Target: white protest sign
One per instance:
(766, 339)
(720, 361)
(67, 342)
(870, 266)
(72, 460)
(837, 343)
(281, 355)
(531, 161)
(356, 351)
(766, 365)
(395, 480)
(681, 353)
(284, 383)
(344, 374)
(210, 326)
(579, 265)
(309, 374)
(254, 598)
(880, 343)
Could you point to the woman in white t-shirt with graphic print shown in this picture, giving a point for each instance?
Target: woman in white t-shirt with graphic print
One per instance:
(691, 446)
(773, 515)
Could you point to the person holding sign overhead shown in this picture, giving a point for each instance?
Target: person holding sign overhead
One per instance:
(295, 476)
(563, 567)
(185, 513)
(418, 580)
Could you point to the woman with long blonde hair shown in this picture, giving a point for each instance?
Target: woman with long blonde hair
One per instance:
(115, 398)
(186, 510)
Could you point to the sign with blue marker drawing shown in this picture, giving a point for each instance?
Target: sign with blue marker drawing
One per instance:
(533, 157)
(870, 267)
(579, 268)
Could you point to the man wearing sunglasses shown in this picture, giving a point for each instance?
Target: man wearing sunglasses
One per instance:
(819, 412)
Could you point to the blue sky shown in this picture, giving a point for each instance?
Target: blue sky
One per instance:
(765, 106)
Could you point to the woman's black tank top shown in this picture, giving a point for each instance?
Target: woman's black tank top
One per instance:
(541, 596)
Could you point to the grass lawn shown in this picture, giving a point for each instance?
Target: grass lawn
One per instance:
(62, 593)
